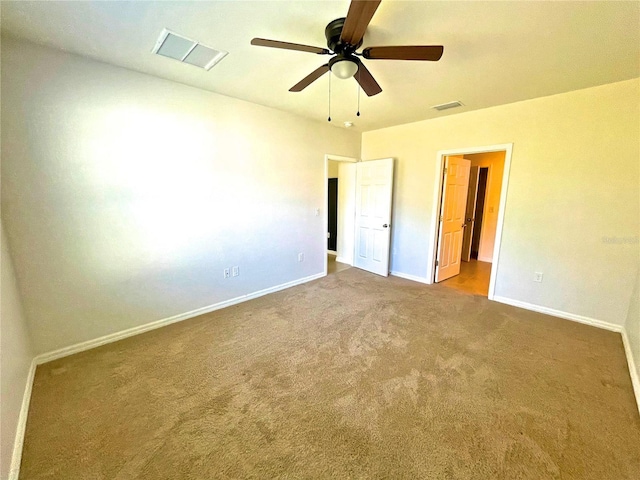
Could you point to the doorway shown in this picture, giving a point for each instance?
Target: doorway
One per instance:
(364, 207)
(482, 200)
(332, 211)
(475, 212)
(339, 218)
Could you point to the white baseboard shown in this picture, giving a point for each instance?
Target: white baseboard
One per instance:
(485, 259)
(14, 471)
(344, 260)
(635, 380)
(588, 321)
(332, 252)
(559, 313)
(16, 457)
(113, 337)
(406, 276)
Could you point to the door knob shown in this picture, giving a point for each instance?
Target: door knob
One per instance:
(385, 226)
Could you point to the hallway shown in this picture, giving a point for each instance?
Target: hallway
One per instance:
(473, 278)
(333, 266)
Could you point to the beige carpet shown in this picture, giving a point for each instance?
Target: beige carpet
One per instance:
(351, 376)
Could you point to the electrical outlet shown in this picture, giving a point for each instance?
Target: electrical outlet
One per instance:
(235, 271)
(537, 277)
(226, 273)
(301, 257)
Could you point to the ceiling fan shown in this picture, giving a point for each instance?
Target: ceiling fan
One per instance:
(344, 37)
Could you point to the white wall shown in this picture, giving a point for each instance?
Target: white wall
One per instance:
(15, 357)
(125, 196)
(572, 202)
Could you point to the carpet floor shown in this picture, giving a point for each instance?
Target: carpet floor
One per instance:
(350, 376)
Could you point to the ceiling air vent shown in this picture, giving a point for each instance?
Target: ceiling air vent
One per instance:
(446, 106)
(175, 46)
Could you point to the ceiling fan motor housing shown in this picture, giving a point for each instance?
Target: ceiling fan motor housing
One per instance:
(333, 31)
(344, 37)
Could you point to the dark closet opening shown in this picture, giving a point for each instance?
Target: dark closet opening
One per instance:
(483, 173)
(332, 209)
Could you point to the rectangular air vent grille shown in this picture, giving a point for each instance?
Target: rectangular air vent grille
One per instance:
(446, 106)
(185, 50)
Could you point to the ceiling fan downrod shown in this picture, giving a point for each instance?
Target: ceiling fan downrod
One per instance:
(329, 118)
(359, 88)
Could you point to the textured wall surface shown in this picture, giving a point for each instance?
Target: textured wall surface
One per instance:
(126, 196)
(573, 202)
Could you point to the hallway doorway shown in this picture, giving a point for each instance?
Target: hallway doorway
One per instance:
(339, 211)
(477, 248)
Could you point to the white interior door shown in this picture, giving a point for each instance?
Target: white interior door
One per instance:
(374, 189)
(452, 216)
(470, 215)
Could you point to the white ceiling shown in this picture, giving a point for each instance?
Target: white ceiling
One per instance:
(495, 52)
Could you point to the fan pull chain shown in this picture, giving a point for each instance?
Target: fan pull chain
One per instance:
(329, 119)
(359, 88)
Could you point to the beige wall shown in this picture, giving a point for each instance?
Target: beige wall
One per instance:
(332, 168)
(573, 194)
(126, 196)
(15, 358)
(494, 161)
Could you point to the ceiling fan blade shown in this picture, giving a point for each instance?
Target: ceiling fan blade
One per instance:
(263, 42)
(409, 52)
(358, 18)
(366, 81)
(309, 79)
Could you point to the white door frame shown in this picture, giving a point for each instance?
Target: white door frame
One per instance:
(437, 198)
(325, 220)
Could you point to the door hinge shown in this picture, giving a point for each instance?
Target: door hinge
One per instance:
(446, 169)
(437, 263)
(441, 218)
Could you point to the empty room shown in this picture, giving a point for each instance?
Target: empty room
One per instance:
(320, 239)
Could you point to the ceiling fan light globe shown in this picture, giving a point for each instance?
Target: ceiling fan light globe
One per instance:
(344, 69)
